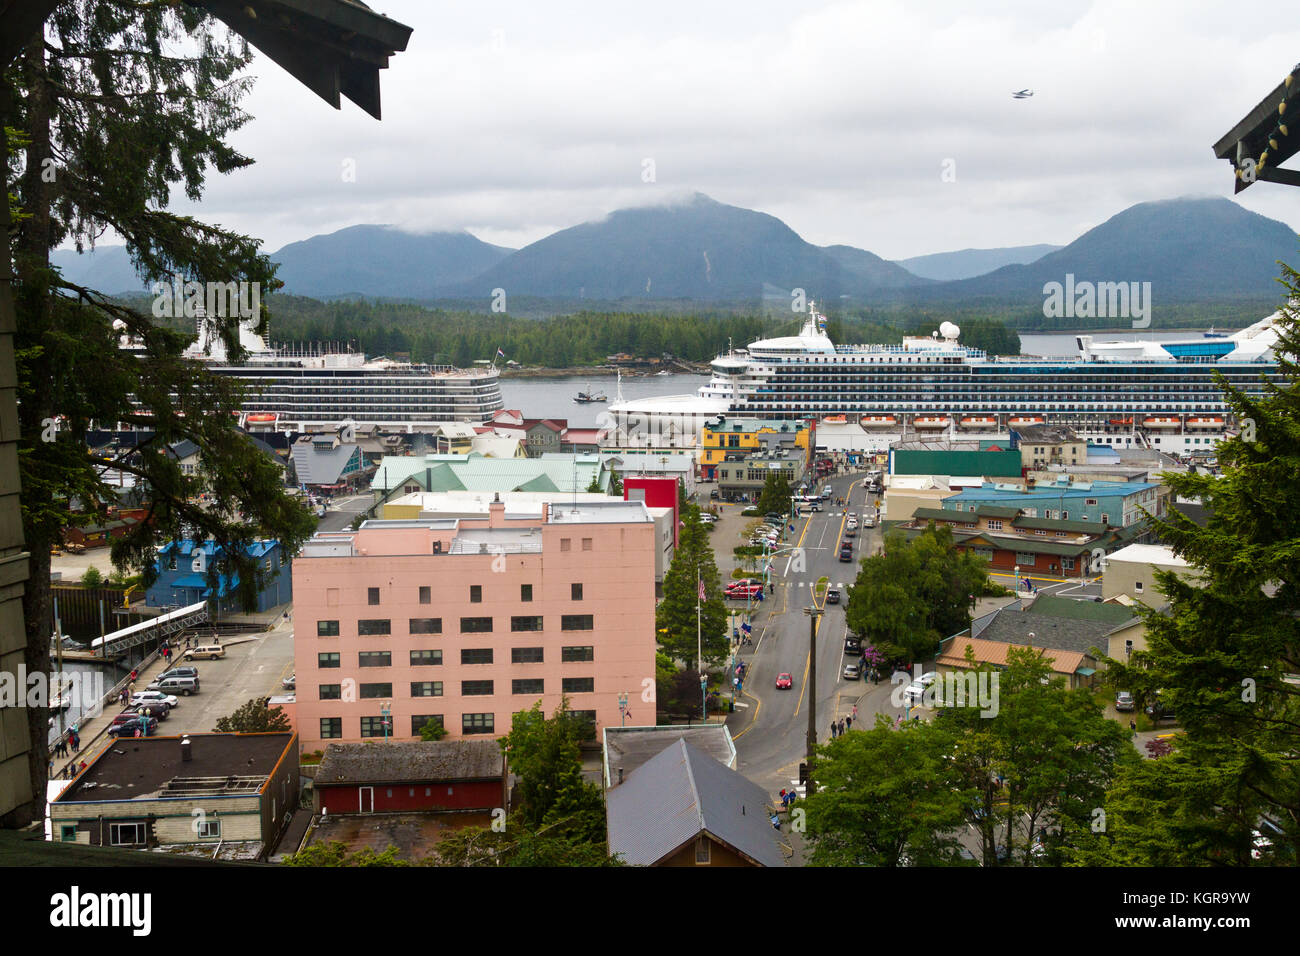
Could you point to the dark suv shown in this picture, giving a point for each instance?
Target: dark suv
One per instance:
(127, 725)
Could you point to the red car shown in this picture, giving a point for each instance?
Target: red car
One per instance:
(784, 682)
(745, 591)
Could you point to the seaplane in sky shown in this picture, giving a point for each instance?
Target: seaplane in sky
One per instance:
(1023, 94)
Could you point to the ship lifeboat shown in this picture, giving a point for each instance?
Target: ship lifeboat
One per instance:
(1205, 422)
(978, 421)
(931, 421)
(835, 419)
(885, 420)
(1160, 422)
(1026, 420)
(1121, 421)
(262, 419)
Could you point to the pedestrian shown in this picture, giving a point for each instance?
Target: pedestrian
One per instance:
(76, 741)
(843, 727)
(82, 767)
(855, 711)
(133, 675)
(833, 729)
(1133, 725)
(848, 723)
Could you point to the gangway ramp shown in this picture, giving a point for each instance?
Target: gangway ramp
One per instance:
(172, 622)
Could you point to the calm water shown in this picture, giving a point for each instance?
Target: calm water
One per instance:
(553, 397)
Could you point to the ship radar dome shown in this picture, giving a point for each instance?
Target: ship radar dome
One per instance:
(949, 331)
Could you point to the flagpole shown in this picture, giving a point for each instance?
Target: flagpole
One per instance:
(699, 646)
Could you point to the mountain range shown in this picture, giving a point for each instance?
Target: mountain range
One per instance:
(1190, 250)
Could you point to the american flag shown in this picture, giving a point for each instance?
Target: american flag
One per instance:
(700, 582)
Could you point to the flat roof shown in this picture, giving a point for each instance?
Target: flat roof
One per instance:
(411, 762)
(151, 768)
(1149, 554)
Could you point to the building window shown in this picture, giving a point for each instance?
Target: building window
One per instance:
(327, 628)
(586, 544)
(374, 628)
(525, 655)
(418, 723)
(1089, 501)
(209, 829)
(527, 686)
(331, 727)
(331, 692)
(576, 622)
(1137, 586)
(575, 592)
(526, 623)
(425, 625)
(566, 544)
(476, 688)
(126, 834)
(374, 659)
(68, 833)
(1065, 516)
(374, 727)
(702, 851)
(426, 688)
(995, 524)
(426, 594)
(587, 718)
(327, 660)
(426, 658)
(578, 685)
(1067, 564)
(1022, 558)
(573, 655)
(478, 723)
(372, 595)
(476, 594)
(525, 592)
(476, 655)
(475, 625)
(375, 691)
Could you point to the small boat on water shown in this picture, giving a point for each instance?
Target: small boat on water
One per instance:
(589, 396)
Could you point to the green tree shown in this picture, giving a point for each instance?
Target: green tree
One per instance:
(675, 616)
(915, 594)
(126, 102)
(884, 798)
(336, 853)
(1221, 654)
(775, 495)
(92, 578)
(254, 717)
(433, 730)
(546, 754)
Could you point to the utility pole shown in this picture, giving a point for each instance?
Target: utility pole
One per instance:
(814, 613)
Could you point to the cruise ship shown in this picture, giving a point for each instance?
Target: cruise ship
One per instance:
(1148, 393)
(317, 388)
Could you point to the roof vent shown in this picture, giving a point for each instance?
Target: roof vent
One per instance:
(186, 750)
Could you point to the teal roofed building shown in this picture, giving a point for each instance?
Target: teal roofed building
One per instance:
(1117, 503)
(564, 474)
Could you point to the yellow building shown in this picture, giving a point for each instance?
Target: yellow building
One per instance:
(739, 437)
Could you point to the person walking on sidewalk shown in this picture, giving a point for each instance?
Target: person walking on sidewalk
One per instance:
(833, 729)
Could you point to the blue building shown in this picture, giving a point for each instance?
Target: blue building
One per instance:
(183, 576)
(1109, 502)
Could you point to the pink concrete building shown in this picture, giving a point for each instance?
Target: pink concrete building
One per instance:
(469, 621)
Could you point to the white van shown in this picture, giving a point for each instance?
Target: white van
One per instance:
(210, 651)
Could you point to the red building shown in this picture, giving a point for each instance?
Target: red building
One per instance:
(656, 493)
(411, 775)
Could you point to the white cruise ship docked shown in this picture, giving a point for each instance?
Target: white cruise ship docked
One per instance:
(1148, 393)
(292, 390)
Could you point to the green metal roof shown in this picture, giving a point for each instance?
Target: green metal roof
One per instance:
(475, 472)
(1082, 610)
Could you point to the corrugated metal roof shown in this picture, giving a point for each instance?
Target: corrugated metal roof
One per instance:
(410, 761)
(681, 793)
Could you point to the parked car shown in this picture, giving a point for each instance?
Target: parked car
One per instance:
(149, 696)
(181, 685)
(784, 681)
(182, 671)
(1157, 713)
(916, 690)
(852, 671)
(852, 645)
(144, 724)
(775, 516)
(708, 518)
(290, 682)
(713, 495)
(157, 708)
(832, 595)
(1124, 700)
(210, 651)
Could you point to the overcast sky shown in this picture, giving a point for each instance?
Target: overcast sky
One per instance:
(514, 119)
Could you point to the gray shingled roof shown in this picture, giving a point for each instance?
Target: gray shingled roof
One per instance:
(320, 466)
(1074, 629)
(410, 762)
(674, 797)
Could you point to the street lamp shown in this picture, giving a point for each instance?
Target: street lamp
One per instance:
(622, 709)
(814, 613)
(386, 709)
